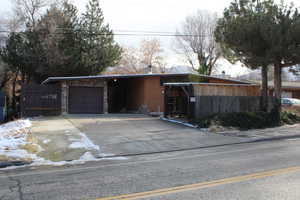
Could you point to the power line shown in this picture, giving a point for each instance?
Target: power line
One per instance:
(130, 31)
(139, 31)
(144, 34)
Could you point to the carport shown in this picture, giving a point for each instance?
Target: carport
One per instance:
(125, 95)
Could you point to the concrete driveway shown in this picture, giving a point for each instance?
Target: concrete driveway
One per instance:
(123, 134)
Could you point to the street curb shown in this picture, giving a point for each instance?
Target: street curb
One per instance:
(13, 163)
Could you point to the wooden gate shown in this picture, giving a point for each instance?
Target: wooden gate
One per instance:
(40, 100)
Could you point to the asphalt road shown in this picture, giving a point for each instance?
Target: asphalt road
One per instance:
(264, 170)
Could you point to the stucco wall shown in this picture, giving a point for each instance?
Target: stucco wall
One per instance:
(88, 83)
(136, 94)
(154, 97)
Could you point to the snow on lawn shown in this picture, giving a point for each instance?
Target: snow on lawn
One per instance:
(15, 127)
(12, 136)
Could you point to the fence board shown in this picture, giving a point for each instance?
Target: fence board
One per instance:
(226, 90)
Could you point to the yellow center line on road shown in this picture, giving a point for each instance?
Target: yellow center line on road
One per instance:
(201, 185)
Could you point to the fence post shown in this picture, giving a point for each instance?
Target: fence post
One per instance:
(191, 105)
(166, 111)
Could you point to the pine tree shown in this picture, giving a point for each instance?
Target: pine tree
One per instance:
(99, 49)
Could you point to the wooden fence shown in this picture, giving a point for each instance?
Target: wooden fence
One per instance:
(204, 89)
(40, 100)
(208, 105)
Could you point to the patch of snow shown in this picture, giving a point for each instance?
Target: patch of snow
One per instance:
(14, 127)
(46, 141)
(109, 156)
(103, 155)
(179, 122)
(114, 158)
(84, 143)
(87, 156)
(9, 142)
(39, 148)
(15, 153)
(12, 136)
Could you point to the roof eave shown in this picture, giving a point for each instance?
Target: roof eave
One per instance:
(56, 79)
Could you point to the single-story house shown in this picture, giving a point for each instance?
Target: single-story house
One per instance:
(142, 93)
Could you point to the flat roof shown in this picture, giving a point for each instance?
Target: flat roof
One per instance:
(284, 84)
(212, 84)
(57, 79)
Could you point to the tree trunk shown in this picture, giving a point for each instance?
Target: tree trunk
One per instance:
(277, 90)
(277, 81)
(210, 69)
(14, 100)
(264, 91)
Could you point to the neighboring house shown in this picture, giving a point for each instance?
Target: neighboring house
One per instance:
(143, 93)
(290, 89)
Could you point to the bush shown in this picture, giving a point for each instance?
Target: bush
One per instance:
(249, 120)
(289, 118)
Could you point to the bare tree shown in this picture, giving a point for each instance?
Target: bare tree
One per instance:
(196, 41)
(27, 12)
(130, 62)
(138, 60)
(150, 50)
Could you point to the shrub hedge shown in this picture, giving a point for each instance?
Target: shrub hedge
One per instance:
(249, 120)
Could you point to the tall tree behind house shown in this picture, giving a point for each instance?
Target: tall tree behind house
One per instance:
(197, 43)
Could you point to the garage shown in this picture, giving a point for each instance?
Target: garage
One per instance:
(86, 100)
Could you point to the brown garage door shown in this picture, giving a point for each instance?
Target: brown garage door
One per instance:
(86, 100)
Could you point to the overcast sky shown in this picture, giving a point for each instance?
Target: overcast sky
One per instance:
(149, 15)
